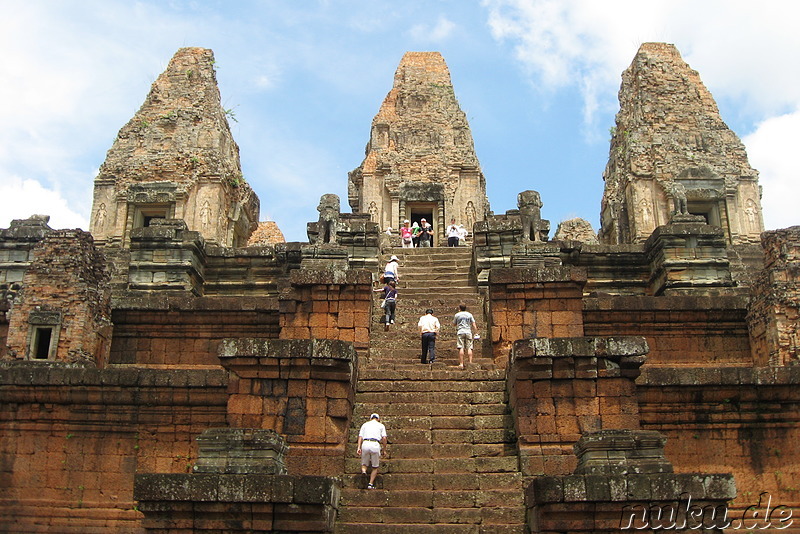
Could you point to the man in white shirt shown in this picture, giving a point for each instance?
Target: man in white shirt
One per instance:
(370, 438)
(466, 329)
(428, 327)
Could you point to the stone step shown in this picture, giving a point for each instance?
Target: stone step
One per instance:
(446, 355)
(445, 422)
(450, 450)
(386, 408)
(436, 528)
(420, 436)
(433, 516)
(443, 397)
(356, 496)
(449, 364)
(441, 482)
(443, 308)
(426, 252)
(393, 464)
(429, 385)
(441, 301)
(379, 373)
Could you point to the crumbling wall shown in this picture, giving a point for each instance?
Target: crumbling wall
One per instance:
(185, 331)
(774, 313)
(71, 439)
(63, 309)
(680, 331)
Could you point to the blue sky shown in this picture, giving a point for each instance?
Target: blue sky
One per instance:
(538, 81)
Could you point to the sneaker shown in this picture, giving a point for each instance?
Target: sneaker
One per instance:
(370, 486)
(392, 322)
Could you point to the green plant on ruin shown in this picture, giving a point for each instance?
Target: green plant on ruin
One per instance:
(230, 114)
(143, 124)
(169, 116)
(194, 160)
(235, 181)
(189, 73)
(625, 144)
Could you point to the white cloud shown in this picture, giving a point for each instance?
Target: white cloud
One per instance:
(263, 82)
(744, 52)
(588, 44)
(21, 198)
(771, 149)
(435, 33)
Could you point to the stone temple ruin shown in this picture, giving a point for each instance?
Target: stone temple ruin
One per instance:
(181, 368)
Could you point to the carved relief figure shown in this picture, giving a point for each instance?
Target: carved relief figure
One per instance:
(646, 213)
(469, 215)
(677, 192)
(205, 214)
(328, 218)
(751, 211)
(101, 217)
(373, 212)
(530, 204)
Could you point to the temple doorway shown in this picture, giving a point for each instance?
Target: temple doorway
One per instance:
(416, 211)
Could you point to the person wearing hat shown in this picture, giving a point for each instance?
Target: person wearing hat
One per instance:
(390, 271)
(370, 438)
(407, 234)
(426, 235)
(416, 232)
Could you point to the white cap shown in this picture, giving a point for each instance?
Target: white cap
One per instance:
(394, 258)
(375, 416)
(405, 221)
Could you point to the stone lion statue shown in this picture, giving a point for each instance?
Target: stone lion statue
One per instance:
(530, 204)
(677, 192)
(328, 209)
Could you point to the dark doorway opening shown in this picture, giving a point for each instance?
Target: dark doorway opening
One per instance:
(419, 214)
(41, 343)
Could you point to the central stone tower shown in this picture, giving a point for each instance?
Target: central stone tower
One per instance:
(420, 160)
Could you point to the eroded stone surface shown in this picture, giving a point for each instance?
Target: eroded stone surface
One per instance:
(671, 152)
(774, 313)
(176, 158)
(267, 233)
(576, 229)
(420, 159)
(63, 311)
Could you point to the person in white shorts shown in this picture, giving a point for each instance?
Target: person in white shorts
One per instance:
(370, 438)
(466, 329)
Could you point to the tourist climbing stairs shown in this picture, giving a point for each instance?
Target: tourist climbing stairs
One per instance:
(450, 465)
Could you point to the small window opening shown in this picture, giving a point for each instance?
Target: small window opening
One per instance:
(41, 343)
(148, 218)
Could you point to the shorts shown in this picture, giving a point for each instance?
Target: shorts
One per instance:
(464, 341)
(370, 453)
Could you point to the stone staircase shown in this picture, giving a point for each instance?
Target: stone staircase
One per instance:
(451, 464)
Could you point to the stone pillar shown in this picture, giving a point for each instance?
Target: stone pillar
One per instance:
(623, 482)
(167, 256)
(302, 389)
(774, 311)
(526, 303)
(327, 305)
(240, 451)
(687, 255)
(239, 485)
(562, 388)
